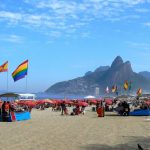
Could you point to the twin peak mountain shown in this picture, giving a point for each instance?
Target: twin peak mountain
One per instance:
(102, 77)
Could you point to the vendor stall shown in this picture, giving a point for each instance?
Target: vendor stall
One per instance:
(11, 111)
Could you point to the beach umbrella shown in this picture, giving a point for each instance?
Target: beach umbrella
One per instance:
(45, 101)
(58, 101)
(67, 102)
(82, 104)
(109, 101)
(148, 102)
(54, 102)
(93, 101)
(28, 103)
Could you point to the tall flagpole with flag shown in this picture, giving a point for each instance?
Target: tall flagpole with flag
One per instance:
(107, 90)
(7, 75)
(126, 86)
(4, 68)
(26, 84)
(27, 76)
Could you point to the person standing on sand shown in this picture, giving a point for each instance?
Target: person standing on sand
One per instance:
(3, 111)
(63, 107)
(83, 110)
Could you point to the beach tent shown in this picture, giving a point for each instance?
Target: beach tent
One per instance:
(9, 96)
(90, 97)
(14, 116)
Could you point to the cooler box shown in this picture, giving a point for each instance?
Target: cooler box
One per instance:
(22, 116)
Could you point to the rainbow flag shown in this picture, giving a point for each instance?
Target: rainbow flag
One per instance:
(21, 71)
(4, 67)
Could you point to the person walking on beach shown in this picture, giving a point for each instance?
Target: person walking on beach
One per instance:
(3, 111)
(63, 108)
(97, 105)
(83, 110)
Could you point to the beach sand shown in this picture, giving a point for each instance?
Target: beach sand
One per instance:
(49, 130)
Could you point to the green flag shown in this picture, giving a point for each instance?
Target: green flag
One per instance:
(130, 86)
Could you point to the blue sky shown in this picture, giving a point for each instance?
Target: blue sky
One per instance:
(63, 39)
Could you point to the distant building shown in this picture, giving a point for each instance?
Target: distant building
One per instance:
(27, 96)
(97, 91)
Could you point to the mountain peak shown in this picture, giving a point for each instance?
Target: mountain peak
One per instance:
(118, 61)
(102, 68)
(127, 67)
(101, 78)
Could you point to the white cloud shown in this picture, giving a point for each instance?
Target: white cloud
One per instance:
(12, 17)
(11, 38)
(66, 15)
(139, 45)
(147, 24)
(142, 10)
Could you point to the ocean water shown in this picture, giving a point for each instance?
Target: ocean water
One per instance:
(58, 96)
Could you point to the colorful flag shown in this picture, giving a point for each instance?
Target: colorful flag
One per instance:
(114, 89)
(139, 92)
(130, 86)
(126, 85)
(21, 71)
(107, 89)
(4, 67)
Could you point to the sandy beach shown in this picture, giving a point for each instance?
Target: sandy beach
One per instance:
(49, 130)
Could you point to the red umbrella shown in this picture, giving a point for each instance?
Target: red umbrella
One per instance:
(82, 104)
(93, 101)
(67, 102)
(28, 103)
(109, 101)
(58, 101)
(44, 101)
(148, 102)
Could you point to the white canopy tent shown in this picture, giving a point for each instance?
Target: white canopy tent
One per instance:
(89, 97)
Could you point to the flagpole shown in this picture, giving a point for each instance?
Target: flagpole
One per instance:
(7, 81)
(27, 80)
(26, 84)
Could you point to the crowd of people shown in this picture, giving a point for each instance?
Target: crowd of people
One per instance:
(74, 108)
(8, 107)
(64, 110)
(5, 110)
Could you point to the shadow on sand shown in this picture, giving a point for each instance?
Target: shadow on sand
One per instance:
(144, 144)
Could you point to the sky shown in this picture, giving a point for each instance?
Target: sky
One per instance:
(63, 39)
